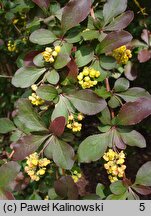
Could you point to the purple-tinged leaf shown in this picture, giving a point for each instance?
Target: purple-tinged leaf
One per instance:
(113, 40)
(57, 126)
(120, 22)
(87, 102)
(141, 189)
(144, 55)
(133, 138)
(26, 146)
(8, 172)
(28, 60)
(130, 71)
(66, 188)
(74, 12)
(118, 141)
(145, 36)
(6, 195)
(133, 112)
(42, 3)
(73, 69)
(143, 176)
(112, 9)
(132, 94)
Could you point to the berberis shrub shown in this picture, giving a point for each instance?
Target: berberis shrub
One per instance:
(74, 70)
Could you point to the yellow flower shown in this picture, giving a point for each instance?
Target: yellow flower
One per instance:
(76, 176)
(122, 55)
(36, 100)
(57, 49)
(87, 77)
(114, 166)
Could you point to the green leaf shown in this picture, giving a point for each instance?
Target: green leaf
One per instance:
(47, 92)
(105, 116)
(102, 92)
(74, 12)
(52, 194)
(107, 62)
(27, 145)
(118, 188)
(90, 34)
(133, 94)
(87, 102)
(63, 57)
(84, 55)
(104, 128)
(34, 196)
(62, 108)
(74, 35)
(143, 176)
(6, 125)
(113, 102)
(117, 197)
(113, 8)
(133, 138)
(62, 153)
(113, 40)
(92, 148)
(99, 190)
(29, 117)
(39, 60)
(133, 112)
(120, 22)
(42, 37)
(26, 76)
(53, 77)
(121, 84)
(8, 172)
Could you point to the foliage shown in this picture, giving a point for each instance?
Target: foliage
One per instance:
(75, 61)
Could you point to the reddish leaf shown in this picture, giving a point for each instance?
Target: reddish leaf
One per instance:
(130, 71)
(57, 126)
(66, 188)
(113, 40)
(28, 61)
(26, 146)
(73, 69)
(6, 195)
(42, 3)
(141, 189)
(144, 55)
(117, 140)
(74, 13)
(134, 112)
(120, 22)
(145, 35)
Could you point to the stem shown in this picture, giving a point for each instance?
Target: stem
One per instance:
(11, 154)
(109, 89)
(92, 13)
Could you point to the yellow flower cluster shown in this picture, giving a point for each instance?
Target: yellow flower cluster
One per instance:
(34, 98)
(87, 77)
(11, 46)
(49, 54)
(73, 124)
(122, 55)
(36, 167)
(115, 164)
(76, 176)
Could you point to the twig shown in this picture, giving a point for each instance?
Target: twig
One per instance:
(11, 154)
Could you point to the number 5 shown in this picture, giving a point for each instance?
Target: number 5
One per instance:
(142, 206)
